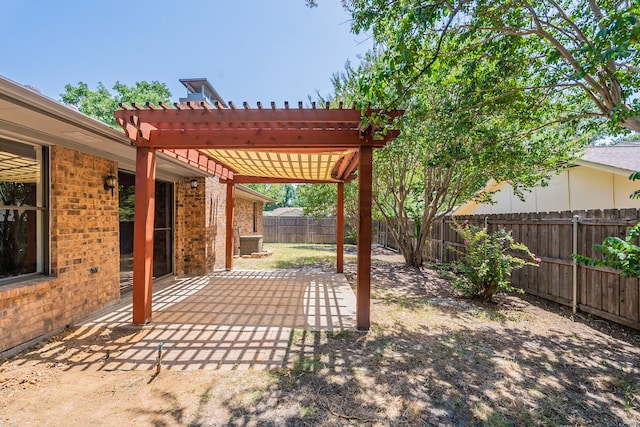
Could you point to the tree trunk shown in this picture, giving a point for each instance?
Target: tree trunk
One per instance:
(414, 258)
(489, 291)
(413, 254)
(632, 123)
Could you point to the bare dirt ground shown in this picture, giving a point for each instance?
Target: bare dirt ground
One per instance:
(430, 358)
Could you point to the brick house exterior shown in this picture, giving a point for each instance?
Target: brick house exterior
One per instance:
(83, 235)
(248, 209)
(78, 268)
(200, 226)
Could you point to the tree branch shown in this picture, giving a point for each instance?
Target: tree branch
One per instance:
(433, 59)
(567, 55)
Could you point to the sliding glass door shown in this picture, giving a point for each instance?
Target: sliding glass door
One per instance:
(162, 233)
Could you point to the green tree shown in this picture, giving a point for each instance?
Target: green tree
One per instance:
(284, 194)
(584, 51)
(101, 103)
(456, 136)
(320, 200)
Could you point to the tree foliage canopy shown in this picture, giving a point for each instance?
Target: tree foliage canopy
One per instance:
(101, 103)
(284, 194)
(583, 51)
(458, 132)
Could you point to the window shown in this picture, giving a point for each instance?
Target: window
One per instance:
(22, 209)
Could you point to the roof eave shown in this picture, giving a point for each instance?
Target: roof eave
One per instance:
(251, 194)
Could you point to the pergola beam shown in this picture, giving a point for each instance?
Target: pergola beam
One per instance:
(249, 115)
(246, 179)
(258, 139)
(201, 161)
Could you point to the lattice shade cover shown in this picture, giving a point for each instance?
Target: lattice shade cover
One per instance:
(305, 166)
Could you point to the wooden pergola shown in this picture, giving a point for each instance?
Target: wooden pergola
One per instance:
(253, 145)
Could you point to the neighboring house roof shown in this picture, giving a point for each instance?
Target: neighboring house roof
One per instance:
(244, 192)
(286, 211)
(625, 158)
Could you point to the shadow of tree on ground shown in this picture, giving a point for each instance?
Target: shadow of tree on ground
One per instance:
(431, 358)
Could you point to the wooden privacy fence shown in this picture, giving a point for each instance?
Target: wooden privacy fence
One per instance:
(302, 229)
(317, 230)
(553, 237)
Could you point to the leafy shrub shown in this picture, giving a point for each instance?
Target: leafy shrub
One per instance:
(488, 260)
(623, 255)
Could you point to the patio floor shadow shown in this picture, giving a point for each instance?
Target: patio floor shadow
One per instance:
(229, 320)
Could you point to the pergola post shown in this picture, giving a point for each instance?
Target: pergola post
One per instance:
(229, 231)
(143, 234)
(340, 229)
(363, 277)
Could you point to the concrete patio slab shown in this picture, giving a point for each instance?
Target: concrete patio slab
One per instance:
(229, 320)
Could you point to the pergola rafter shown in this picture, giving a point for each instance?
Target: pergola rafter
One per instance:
(254, 145)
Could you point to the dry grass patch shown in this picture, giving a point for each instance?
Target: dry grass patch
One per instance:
(293, 255)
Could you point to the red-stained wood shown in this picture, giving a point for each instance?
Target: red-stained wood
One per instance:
(199, 160)
(342, 165)
(189, 127)
(351, 166)
(246, 179)
(340, 229)
(228, 263)
(363, 276)
(250, 115)
(143, 234)
(259, 139)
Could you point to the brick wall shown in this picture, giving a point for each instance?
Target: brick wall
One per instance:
(216, 222)
(243, 217)
(200, 226)
(189, 239)
(83, 233)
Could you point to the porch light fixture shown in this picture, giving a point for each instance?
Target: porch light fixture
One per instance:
(194, 183)
(110, 182)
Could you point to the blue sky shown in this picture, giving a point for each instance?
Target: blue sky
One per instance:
(250, 50)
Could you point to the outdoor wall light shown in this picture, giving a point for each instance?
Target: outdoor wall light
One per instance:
(194, 183)
(110, 182)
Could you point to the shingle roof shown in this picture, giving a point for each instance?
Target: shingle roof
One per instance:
(626, 157)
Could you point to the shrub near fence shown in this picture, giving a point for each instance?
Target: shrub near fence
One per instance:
(553, 237)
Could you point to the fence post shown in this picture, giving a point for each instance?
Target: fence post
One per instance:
(386, 235)
(278, 229)
(442, 240)
(574, 262)
(308, 238)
